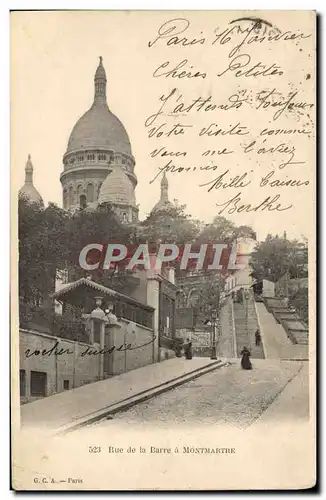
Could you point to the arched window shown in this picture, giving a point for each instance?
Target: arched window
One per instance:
(79, 191)
(82, 201)
(65, 198)
(90, 193)
(71, 196)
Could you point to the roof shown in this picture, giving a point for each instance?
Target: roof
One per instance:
(99, 127)
(28, 190)
(31, 193)
(101, 288)
(162, 205)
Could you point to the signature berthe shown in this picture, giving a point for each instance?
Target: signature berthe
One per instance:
(270, 204)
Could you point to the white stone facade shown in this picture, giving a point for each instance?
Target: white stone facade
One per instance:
(97, 145)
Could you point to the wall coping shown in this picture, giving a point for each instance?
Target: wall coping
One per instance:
(54, 337)
(124, 320)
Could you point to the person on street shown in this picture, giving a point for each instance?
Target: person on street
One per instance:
(188, 349)
(258, 337)
(245, 360)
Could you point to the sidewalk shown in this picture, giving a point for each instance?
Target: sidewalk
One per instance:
(292, 404)
(64, 410)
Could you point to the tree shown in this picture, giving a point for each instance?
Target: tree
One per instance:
(220, 230)
(41, 243)
(41, 247)
(209, 295)
(169, 225)
(300, 300)
(275, 256)
(224, 230)
(245, 232)
(100, 226)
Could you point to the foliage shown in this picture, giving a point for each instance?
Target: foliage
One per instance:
(209, 294)
(41, 234)
(171, 225)
(51, 239)
(224, 230)
(69, 326)
(275, 256)
(299, 300)
(84, 227)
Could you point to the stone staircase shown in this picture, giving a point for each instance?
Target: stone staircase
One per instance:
(226, 344)
(241, 332)
(295, 328)
(277, 343)
(246, 324)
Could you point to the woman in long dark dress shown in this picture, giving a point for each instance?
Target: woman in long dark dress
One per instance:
(245, 360)
(188, 350)
(258, 337)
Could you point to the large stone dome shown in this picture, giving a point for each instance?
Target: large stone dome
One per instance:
(99, 128)
(98, 145)
(117, 189)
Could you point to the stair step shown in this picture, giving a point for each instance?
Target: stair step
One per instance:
(246, 324)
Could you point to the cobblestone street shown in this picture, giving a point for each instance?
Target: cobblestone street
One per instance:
(229, 396)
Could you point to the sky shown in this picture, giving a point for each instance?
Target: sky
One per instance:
(53, 61)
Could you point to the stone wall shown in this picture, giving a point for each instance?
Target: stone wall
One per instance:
(165, 354)
(142, 343)
(68, 370)
(71, 368)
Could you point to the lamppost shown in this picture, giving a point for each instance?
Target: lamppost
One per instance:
(214, 324)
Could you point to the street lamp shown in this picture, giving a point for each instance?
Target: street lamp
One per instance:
(214, 323)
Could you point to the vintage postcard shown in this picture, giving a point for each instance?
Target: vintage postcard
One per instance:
(163, 272)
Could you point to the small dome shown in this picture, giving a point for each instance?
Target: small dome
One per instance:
(163, 202)
(162, 205)
(28, 190)
(117, 189)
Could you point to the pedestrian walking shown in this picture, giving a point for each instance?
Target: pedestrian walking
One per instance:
(245, 360)
(258, 337)
(188, 349)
